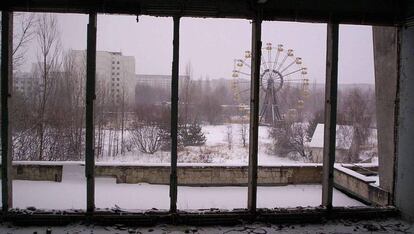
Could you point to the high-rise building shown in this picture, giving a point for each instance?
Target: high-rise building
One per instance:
(157, 81)
(114, 72)
(24, 82)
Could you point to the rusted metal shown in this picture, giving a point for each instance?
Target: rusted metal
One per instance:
(174, 114)
(90, 99)
(218, 217)
(254, 112)
(376, 12)
(6, 102)
(331, 91)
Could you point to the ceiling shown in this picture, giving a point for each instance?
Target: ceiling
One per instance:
(371, 12)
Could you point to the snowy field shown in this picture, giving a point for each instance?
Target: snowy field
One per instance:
(215, 150)
(71, 194)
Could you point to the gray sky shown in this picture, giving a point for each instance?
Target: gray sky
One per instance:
(211, 45)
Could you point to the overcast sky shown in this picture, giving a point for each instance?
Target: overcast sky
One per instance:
(211, 45)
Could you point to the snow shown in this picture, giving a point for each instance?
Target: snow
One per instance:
(227, 165)
(376, 179)
(267, 197)
(71, 194)
(372, 164)
(353, 173)
(215, 150)
(48, 163)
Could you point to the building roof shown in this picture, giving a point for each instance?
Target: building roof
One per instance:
(344, 135)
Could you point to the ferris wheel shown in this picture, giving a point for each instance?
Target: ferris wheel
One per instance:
(280, 71)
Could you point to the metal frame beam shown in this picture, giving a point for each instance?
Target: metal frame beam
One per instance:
(90, 99)
(174, 114)
(254, 111)
(6, 102)
(309, 215)
(331, 91)
(379, 12)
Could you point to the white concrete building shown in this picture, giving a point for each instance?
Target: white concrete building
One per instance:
(344, 142)
(24, 82)
(344, 136)
(157, 81)
(116, 72)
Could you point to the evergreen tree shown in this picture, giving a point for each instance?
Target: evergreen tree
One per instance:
(191, 134)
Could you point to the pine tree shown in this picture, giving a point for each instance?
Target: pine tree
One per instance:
(192, 134)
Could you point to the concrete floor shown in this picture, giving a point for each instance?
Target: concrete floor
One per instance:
(340, 226)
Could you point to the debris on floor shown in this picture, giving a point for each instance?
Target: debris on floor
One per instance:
(338, 226)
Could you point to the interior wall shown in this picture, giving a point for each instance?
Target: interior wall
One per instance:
(386, 76)
(404, 189)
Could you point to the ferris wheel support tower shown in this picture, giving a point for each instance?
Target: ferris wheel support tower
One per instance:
(278, 69)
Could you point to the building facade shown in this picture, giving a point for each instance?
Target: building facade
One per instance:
(115, 73)
(156, 81)
(24, 82)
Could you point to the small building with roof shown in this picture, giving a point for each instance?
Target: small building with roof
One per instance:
(344, 137)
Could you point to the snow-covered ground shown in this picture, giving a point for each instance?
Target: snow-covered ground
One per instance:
(71, 194)
(215, 150)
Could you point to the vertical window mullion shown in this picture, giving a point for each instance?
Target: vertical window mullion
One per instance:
(90, 99)
(6, 98)
(331, 91)
(174, 114)
(254, 112)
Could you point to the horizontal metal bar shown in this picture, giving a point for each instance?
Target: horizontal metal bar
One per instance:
(375, 12)
(203, 217)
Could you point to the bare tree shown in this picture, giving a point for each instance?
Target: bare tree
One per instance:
(22, 140)
(229, 136)
(289, 139)
(102, 101)
(344, 137)
(358, 111)
(186, 92)
(243, 133)
(124, 108)
(317, 118)
(49, 50)
(22, 34)
(146, 137)
(70, 99)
